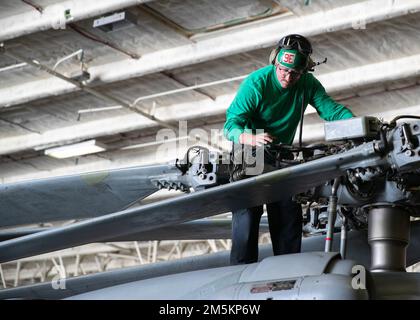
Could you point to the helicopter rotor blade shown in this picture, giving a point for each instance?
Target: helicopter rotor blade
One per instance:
(249, 192)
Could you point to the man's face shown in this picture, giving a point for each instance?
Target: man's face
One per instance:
(287, 77)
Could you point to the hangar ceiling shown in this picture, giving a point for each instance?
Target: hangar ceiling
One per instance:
(181, 60)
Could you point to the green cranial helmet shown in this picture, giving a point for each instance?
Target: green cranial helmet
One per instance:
(291, 58)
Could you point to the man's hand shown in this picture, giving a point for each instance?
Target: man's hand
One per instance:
(255, 140)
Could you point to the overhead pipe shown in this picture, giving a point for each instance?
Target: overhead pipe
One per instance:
(166, 93)
(61, 60)
(83, 87)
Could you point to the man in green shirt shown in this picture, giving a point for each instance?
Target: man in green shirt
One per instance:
(274, 98)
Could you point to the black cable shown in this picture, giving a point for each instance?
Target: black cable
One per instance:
(298, 149)
(394, 121)
(383, 146)
(301, 120)
(268, 152)
(185, 165)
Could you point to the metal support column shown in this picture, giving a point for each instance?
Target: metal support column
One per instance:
(388, 236)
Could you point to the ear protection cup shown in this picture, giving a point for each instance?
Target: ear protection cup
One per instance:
(310, 65)
(273, 55)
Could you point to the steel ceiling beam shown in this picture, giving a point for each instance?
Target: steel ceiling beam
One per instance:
(54, 16)
(349, 81)
(220, 44)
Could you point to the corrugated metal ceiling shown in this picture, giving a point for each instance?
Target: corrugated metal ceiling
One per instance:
(386, 40)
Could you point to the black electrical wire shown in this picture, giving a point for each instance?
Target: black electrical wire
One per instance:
(394, 121)
(186, 164)
(301, 120)
(382, 134)
(298, 149)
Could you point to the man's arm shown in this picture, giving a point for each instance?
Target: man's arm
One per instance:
(240, 113)
(327, 108)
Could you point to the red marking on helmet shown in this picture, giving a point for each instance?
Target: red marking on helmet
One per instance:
(288, 58)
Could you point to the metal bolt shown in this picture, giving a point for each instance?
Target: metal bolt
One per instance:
(409, 153)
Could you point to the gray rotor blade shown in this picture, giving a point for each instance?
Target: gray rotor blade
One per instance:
(358, 249)
(249, 192)
(75, 196)
(193, 230)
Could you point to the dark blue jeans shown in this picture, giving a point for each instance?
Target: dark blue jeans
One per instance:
(285, 225)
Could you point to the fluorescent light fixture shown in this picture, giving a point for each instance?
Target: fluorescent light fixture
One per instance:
(153, 143)
(13, 66)
(115, 21)
(77, 149)
(98, 109)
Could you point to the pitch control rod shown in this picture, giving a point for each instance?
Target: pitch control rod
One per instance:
(332, 214)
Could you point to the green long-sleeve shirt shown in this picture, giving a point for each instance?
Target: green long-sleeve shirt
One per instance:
(261, 103)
